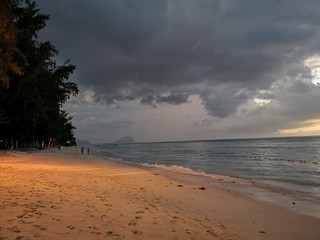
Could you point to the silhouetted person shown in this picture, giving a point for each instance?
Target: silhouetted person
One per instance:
(82, 150)
(88, 151)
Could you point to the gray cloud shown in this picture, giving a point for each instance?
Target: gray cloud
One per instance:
(142, 50)
(223, 101)
(172, 98)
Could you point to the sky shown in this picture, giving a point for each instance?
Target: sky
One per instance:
(189, 69)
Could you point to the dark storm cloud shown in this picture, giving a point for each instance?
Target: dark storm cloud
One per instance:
(175, 99)
(223, 51)
(222, 102)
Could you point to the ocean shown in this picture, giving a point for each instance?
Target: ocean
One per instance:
(282, 171)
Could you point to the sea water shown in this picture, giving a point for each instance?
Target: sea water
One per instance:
(275, 167)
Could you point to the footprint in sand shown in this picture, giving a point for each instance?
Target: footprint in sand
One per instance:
(14, 229)
(55, 207)
(212, 233)
(132, 223)
(137, 232)
(36, 235)
(21, 238)
(173, 221)
(71, 227)
(42, 228)
(223, 226)
(92, 228)
(25, 212)
(25, 222)
(104, 218)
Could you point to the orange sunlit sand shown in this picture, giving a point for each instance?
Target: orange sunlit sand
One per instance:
(61, 194)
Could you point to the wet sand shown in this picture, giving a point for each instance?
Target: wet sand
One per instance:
(61, 194)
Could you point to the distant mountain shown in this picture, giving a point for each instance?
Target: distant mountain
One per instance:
(125, 139)
(81, 142)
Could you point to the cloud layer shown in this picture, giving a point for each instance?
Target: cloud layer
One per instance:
(227, 53)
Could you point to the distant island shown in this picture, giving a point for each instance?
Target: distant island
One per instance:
(124, 140)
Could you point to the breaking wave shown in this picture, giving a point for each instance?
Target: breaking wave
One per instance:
(189, 171)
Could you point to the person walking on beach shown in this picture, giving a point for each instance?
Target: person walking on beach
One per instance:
(82, 150)
(88, 151)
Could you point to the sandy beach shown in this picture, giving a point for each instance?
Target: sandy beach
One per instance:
(62, 194)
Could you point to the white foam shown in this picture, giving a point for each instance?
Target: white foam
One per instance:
(189, 171)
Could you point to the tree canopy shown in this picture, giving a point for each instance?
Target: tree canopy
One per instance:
(7, 42)
(33, 86)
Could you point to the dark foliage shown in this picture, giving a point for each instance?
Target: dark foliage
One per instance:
(30, 108)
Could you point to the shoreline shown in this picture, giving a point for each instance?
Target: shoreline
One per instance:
(267, 194)
(61, 193)
(279, 196)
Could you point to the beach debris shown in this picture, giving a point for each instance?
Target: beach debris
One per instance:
(263, 232)
(179, 185)
(202, 188)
